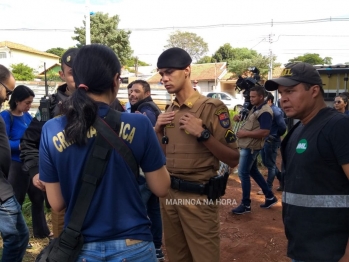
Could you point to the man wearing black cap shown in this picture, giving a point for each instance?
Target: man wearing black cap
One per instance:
(315, 154)
(31, 138)
(195, 133)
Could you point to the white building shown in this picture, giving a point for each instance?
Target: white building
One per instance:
(13, 53)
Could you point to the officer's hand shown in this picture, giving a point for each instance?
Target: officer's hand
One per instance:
(191, 124)
(37, 183)
(163, 119)
(236, 118)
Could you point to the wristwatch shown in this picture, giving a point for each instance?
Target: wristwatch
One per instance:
(205, 135)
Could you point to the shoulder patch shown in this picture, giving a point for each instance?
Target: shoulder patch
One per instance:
(223, 117)
(229, 136)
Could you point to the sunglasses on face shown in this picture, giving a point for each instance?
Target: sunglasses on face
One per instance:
(8, 91)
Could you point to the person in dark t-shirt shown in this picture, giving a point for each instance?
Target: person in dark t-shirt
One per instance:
(315, 156)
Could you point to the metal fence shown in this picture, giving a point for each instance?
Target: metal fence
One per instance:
(159, 95)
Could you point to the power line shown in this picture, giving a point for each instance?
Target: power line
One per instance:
(322, 20)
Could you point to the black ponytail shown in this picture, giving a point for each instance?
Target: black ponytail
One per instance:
(94, 69)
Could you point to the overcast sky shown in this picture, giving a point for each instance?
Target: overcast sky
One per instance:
(146, 20)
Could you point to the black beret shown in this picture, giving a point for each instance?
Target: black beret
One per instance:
(69, 56)
(174, 57)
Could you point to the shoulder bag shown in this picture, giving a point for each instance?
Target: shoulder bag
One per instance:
(68, 245)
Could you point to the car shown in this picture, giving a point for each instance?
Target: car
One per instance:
(230, 101)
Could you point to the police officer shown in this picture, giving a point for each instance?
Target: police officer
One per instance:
(251, 138)
(195, 133)
(31, 138)
(315, 154)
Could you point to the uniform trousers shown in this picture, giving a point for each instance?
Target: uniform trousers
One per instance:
(22, 184)
(191, 227)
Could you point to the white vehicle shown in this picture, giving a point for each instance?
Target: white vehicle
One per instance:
(230, 101)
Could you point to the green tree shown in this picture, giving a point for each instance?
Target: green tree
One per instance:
(224, 53)
(133, 60)
(190, 42)
(311, 58)
(239, 67)
(59, 51)
(22, 72)
(227, 52)
(240, 59)
(53, 76)
(328, 60)
(205, 59)
(104, 30)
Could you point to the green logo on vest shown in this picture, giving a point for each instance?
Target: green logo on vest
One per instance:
(302, 146)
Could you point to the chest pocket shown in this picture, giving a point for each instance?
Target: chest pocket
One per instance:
(252, 121)
(183, 152)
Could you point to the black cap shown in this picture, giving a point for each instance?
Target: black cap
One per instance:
(174, 57)
(293, 74)
(69, 56)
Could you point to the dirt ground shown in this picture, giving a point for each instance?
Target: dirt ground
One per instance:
(256, 236)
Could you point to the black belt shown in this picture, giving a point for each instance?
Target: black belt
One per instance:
(186, 186)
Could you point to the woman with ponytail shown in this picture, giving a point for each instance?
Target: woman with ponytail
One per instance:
(116, 227)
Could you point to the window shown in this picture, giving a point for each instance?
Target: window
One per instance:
(225, 97)
(2, 55)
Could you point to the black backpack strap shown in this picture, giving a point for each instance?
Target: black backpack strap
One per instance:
(70, 242)
(109, 128)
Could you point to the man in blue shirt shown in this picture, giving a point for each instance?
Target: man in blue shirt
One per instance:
(141, 102)
(272, 142)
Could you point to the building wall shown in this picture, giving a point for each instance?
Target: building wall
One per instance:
(35, 61)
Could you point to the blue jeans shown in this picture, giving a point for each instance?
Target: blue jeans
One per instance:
(117, 250)
(153, 209)
(14, 231)
(269, 153)
(248, 167)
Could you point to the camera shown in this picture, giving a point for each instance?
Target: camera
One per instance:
(245, 84)
(45, 102)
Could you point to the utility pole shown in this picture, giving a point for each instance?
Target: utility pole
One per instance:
(270, 72)
(88, 22)
(136, 66)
